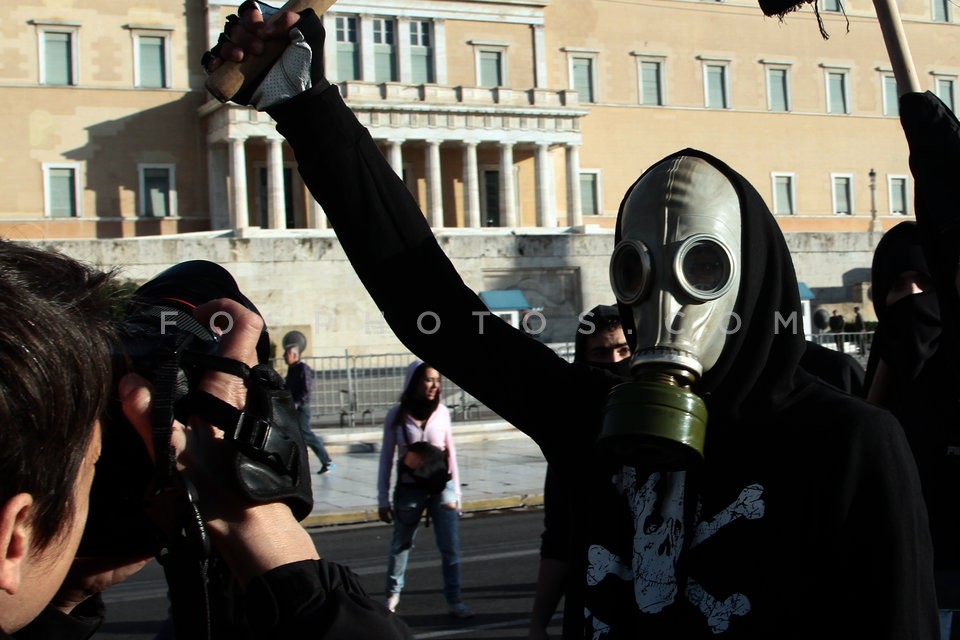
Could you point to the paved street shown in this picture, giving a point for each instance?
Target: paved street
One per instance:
(499, 467)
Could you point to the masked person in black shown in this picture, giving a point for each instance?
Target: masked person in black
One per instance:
(599, 342)
(916, 379)
(732, 495)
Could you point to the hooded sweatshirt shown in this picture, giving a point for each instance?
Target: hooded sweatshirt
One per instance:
(804, 519)
(436, 429)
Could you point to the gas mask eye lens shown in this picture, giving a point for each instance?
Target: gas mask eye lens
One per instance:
(630, 271)
(705, 268)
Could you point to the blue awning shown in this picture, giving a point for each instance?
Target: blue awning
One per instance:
(505, 300)
(805, 293)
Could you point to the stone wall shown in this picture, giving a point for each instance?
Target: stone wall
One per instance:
(301, 279)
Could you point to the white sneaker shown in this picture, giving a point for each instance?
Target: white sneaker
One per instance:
(392, 601)
(460, 610)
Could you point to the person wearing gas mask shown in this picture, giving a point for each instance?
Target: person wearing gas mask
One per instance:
(913, 375)
(599, 342)
(732, 495)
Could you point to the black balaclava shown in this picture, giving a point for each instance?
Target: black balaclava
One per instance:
(600, 318)
(757, 371)
(909, 330)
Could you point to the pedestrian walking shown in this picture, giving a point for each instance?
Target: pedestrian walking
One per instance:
(300, 384)
(413, 431)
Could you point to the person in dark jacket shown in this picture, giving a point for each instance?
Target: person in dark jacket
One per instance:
(299, 381)
(794, 512)
(599, 342)
(933, 135)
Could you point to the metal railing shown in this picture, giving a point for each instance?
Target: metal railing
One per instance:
(357, 390)
(856, 344)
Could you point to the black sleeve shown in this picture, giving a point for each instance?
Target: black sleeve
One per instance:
(933, 134)
(318, 599)
(439, 318)
(80, 624)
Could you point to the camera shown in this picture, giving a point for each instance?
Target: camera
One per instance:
(164, 343)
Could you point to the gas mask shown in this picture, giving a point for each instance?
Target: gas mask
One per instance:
(676, 267)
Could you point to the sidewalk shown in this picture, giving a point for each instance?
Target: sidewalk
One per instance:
(500, 468)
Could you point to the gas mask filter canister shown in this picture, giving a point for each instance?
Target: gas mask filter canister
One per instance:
(676, 268)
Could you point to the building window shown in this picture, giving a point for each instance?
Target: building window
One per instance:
(158, 193)
(490, 66)
(778, 88)
(838, 99)
(151, 60)
(58, 56)
(946, 91)
(62, 190)
(940, 10)
(421, 52)
(384, 50)
(651, 82)
(490, 204)
(898, 195)
(715, 86)
(347, 48)
(830, 5)
(842, 194)
(784, 194)
(891, 100)
(583, 76)
(590, 193)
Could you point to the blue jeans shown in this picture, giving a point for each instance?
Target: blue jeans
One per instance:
(311, 439)
(408, 504)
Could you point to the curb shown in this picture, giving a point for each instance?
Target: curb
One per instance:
(361, 516)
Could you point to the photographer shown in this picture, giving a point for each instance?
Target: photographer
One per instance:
(55, 382)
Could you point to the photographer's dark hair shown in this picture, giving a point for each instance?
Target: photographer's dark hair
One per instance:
(55, 377)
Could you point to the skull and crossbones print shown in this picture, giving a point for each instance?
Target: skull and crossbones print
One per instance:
(660, 535)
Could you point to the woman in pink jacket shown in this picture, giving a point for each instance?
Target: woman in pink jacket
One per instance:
(420, 417)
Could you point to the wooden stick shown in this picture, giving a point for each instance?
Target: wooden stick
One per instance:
(227, 79)
(897, 47)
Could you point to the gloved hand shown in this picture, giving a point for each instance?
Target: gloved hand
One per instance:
(386, 514)
(299, 68)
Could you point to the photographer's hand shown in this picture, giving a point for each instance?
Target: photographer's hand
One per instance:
(251, 538)
(90, 576)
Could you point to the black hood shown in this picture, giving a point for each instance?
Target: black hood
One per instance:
(758, 370)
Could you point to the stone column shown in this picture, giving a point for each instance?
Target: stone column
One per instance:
(471, 190)
(539, 57)
(218, 197)
(508, 195)
(368, 71)
(395, 156)
(318, 219)
(276, 203)
(434, 186)
(574, 206)
(403, 50)
(546, 205)
(239, 214)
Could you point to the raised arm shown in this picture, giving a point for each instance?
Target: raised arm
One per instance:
(391, 246)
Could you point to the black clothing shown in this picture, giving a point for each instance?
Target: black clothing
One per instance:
(805, 519)
(839, 369)
(307, 599)
(921, 386)
(299, 381)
